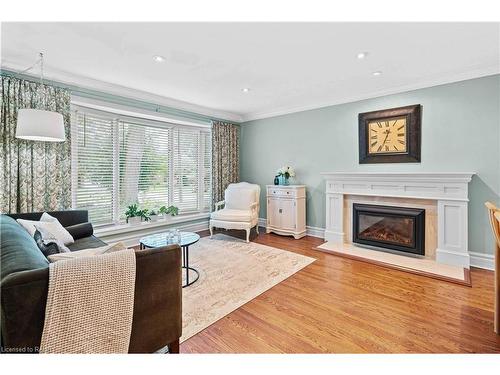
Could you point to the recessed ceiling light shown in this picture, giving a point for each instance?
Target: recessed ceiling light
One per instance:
(158, 58)
(361, 55)
(245, 89)
(377, 73)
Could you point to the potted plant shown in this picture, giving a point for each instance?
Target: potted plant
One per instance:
(145, 214)
(133, 214)
(170, 210)
(284, 173)
(153, 215)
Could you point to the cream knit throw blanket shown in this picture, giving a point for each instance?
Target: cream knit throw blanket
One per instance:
(90, 304)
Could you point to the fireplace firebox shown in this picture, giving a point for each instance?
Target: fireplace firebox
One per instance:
(395, 228)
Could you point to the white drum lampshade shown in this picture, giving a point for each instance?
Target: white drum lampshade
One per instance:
(39, 125)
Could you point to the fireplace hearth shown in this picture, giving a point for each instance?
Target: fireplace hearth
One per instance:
(388, 227)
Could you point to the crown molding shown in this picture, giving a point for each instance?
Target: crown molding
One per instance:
(87, 83)
(485, 71)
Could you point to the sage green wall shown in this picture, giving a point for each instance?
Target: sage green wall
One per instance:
(460, 133)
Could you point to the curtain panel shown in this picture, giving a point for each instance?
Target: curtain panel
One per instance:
(225, 158)
(35, 176)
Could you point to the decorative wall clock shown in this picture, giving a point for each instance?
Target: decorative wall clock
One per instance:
(390, 135)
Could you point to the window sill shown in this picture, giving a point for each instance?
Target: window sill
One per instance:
(127, 228)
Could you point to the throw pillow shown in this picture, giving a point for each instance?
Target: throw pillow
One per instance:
(28, 225)
(47, 217)
(46, 230)
(87, 252)
(55, 228)
(46, 249)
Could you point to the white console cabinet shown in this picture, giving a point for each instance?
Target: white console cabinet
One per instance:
(286, 210)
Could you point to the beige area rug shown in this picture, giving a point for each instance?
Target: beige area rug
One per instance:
(232, 273)
(420, 266)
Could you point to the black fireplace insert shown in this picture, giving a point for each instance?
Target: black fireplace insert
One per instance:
(395, 228)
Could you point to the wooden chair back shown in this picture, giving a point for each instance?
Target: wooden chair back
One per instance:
(494, 216)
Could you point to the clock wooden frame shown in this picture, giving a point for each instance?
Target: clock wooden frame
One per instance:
(413, 135)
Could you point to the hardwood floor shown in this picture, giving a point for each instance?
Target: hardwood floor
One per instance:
(338, 305)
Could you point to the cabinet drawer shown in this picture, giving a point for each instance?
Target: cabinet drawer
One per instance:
(281, 192)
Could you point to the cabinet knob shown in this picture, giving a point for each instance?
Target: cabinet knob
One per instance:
(280, 211)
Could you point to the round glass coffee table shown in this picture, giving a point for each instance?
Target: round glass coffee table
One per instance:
(186, 239)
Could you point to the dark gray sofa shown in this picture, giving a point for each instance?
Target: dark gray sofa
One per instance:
(157, 320)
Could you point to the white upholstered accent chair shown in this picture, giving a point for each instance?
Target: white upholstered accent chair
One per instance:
(241, 208)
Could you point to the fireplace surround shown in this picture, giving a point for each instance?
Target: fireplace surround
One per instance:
(389, 227)
(449, 191)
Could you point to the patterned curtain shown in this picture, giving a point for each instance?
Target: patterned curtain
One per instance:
(225, 158)
(34, 176)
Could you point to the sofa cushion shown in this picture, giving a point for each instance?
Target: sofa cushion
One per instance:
(239, 199)
(86, 243)
(228, 214)
(19, 251)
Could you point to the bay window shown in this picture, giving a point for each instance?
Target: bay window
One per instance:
(121, 160)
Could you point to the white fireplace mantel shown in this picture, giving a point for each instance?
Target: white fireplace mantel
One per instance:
(450, 190)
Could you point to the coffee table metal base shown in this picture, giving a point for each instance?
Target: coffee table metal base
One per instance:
(185, 266)
(186, 239)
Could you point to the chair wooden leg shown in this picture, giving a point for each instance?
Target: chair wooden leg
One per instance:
(211, 231)
(173, 347)
(257, 228)
(248, 235)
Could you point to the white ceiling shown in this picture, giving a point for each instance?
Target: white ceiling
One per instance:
(287, 66)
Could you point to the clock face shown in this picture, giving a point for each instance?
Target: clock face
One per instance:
(387, 136)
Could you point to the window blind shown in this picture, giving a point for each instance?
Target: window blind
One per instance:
(122, 160)
(144, 166)
(93, 189)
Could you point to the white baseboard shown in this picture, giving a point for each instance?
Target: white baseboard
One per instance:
(132, 238)
(480, 260)
(310, 231)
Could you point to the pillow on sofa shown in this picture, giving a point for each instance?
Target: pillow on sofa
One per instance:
(46, 230)
(46, 248)
(87, 252)
(54, 227)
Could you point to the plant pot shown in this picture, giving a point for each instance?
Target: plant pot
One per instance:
(154, 218)
(134, 220)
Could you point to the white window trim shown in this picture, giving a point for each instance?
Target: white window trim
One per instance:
(118, 109)
(115, 110)
(114, 229)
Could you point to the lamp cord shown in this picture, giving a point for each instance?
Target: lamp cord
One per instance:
(37, 62)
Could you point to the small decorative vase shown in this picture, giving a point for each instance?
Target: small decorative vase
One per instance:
(283, 180)
(276, 180)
